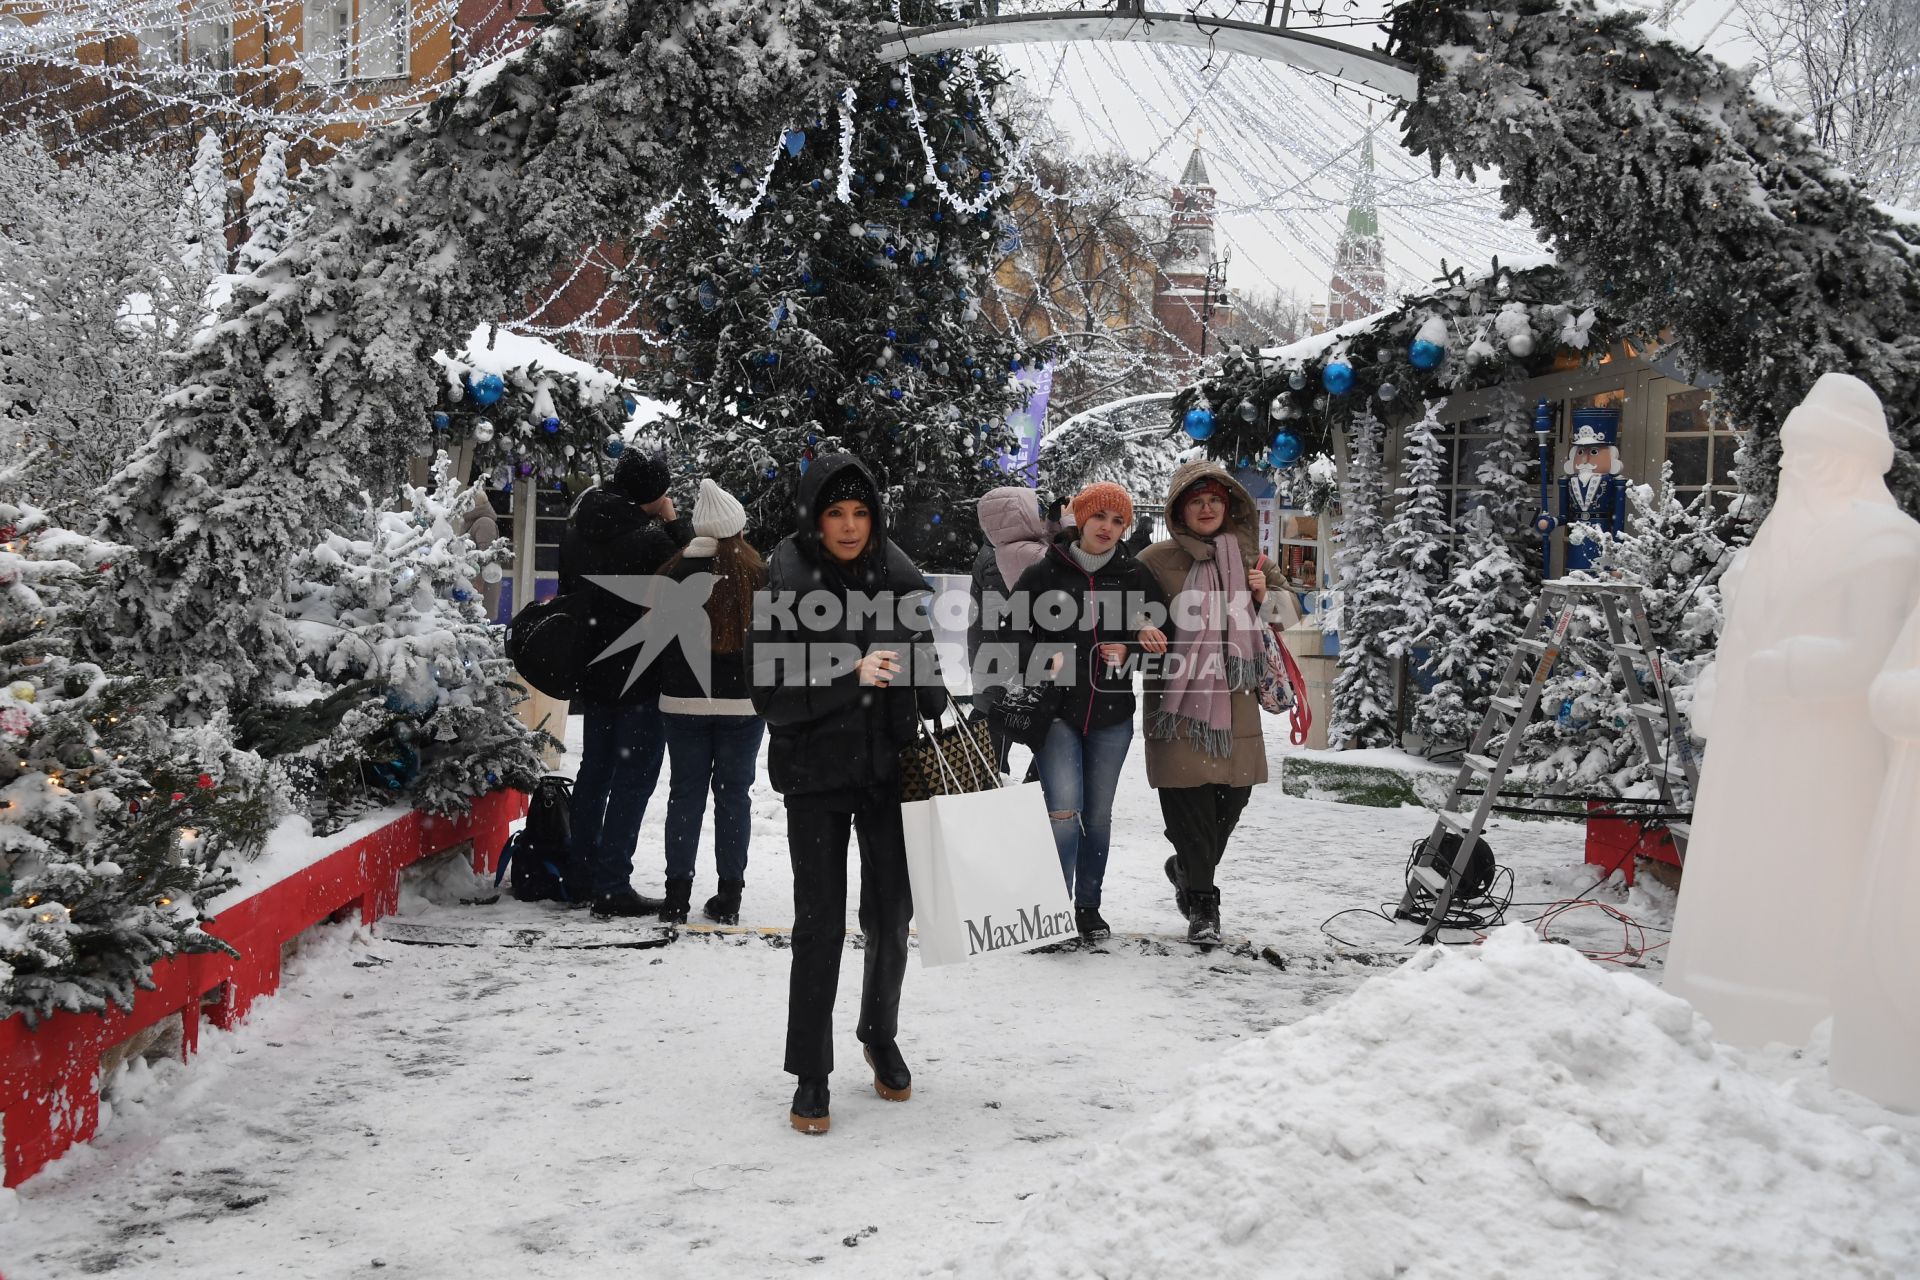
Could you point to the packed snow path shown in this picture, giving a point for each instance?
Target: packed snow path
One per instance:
(414, 1111)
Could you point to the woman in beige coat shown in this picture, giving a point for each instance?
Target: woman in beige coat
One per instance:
(1205, 746)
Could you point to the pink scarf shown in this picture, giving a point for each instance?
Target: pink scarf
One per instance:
(1220, 656)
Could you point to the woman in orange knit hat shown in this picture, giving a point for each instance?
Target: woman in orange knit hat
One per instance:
(1090, 606)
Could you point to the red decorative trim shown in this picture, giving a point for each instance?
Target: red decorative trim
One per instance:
(50, 1073)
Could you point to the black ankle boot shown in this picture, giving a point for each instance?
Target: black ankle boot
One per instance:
(1203, 926)
(679, 900)
(810, 1101)
(1179, 884)
(626, 904)
(891, 1079)
(724, 906)
(1092, 926)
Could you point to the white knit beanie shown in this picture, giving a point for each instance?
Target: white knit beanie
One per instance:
(717, 513)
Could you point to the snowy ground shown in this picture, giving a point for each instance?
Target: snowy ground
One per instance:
(419, 1111)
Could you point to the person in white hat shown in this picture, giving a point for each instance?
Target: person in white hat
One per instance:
(713, 734)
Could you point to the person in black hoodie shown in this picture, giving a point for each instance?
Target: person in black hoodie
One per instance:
(1091, 606)
(838, 690)
(625, 527)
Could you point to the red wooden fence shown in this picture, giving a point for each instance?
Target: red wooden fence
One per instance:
(50, 1073)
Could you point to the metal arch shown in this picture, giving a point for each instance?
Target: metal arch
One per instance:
(1140, 26)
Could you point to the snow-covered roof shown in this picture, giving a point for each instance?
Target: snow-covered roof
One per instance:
(1315, 345)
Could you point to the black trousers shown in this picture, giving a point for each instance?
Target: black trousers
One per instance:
(1200, 820)
(817, 841)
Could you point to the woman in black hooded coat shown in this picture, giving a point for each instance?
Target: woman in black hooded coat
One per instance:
(838, 689)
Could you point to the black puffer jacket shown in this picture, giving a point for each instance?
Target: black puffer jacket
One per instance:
(833, 741)
(1057, 585)
(608, 534)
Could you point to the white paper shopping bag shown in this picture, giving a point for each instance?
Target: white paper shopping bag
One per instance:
(986, 875)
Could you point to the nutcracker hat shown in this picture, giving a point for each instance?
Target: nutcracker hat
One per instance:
(1840, 416)
(1596, 427)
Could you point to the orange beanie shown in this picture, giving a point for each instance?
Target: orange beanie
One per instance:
(1105, 496)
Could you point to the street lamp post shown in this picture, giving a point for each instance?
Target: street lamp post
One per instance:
(1215, 287)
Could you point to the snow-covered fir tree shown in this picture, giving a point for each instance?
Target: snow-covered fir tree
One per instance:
(116, 826)
(406, 694)
(93, 300)
(201, 228)
(1476, 618)
(269, 212)
(1367, 602)
(1676, 552)
(1416, 536)
(829, 299)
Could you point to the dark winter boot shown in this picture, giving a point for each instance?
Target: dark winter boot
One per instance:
(625, 904)
(679, 901)
(809, 1113)
(1090, 924)
(1203, 924)
(1179, 884)
(724, 906)
(891, 1079)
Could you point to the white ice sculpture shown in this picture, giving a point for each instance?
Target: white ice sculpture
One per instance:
(1876, 1001)
(1793, 763)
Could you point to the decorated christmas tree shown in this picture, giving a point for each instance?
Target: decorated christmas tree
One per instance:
(115, 826)
(828, 298)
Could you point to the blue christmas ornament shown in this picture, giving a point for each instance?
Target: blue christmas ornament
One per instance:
(708, 298)
(772, 472)
(486, 389)
(461, 595)
(890, 251)
(441, 422)
(894, 393)
(1286, 449)
(1337, 377)
(906, 198)
(773, 357)
(815, 185)
(986, 176)
(890, 335)
(936, 517)
(893, 102)
(550, 425)
(1425, 355)
(943, 168)
(615, 446)
(739, 170)
(630, 404)
(1198, 423)
(794, 141)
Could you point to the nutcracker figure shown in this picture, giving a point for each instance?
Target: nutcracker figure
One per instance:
(1592, 491)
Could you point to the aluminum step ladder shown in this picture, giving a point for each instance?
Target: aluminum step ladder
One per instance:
(1649, 707)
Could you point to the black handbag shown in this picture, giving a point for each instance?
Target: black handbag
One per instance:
(547, 644)
(1025, 712)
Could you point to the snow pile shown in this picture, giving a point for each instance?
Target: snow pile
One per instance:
(1508, 1110)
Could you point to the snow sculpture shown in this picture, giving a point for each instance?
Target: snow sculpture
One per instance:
(1876, 1002)
(1795, 766)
